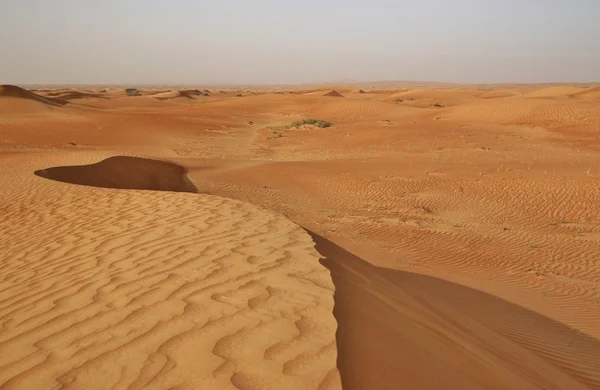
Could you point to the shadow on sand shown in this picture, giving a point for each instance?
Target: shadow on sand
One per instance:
(399, 330)
(123, 172)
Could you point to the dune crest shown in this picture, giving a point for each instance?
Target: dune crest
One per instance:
(139, 289)
(590, 93)
(173, 95)
(16, 100)
(334, 94)
(123, 172)
(12, 91)
(554, 92)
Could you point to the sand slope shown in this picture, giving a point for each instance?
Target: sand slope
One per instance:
(416, 323)
(76, 95)
(590, 93)
(499, 93)
(106, 288)
(554, 92)
(16, 100)
(124, 172)
(172, 95)
(334, 94)
(11, 91)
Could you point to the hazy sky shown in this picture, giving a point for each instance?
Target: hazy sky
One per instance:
(281, 41)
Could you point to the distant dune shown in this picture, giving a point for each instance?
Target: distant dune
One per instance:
(590, 93)
(16, 100)
(554, 92)
(12, 91)
(499, 93)
(74, 95)
(173, 95)
(334, 94)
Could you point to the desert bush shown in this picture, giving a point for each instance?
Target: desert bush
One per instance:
(311, 121)
(437, 105)
(399, 100)
(239, 95)
(132, 92)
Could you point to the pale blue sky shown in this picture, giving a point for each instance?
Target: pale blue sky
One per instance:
(277, 41)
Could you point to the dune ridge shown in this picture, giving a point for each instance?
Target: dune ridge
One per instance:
(157, 289)
(388, 313)
(334, 94)
(173, 95)
(591, 93)
(124, 172)
(12, 91)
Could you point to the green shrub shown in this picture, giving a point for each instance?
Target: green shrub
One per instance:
(311, 121)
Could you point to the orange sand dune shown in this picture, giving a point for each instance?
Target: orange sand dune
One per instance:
(554, 92)
(590, 93)
(448, 239)
(172, 95)
(443, 96)
(73, 95)
(124, 172)
(111, 288)
(334, 94)
(11, 91)
(388, 314)
(16, 100)
(551, 113)
(499, 93)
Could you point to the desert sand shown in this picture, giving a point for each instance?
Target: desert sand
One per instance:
(435, 236)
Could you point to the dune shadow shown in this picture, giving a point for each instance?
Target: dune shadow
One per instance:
(124, 172)
(399, 330)
(74, 95)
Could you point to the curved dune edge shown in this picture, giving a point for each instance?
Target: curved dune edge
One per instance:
(412, 331)
(16, 100)
(140, 289)
(174, 95)
(124, 172)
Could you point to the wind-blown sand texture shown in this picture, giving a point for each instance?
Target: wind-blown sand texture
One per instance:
(433, 237)
(106, 288)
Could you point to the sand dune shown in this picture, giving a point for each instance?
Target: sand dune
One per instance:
(16, 100)
(11, 91)
(590, 93)
(172, 95)
(458, 245)
(124, 172)
(74, 95)
(554, 92)
(107, 288)
(334, 94)
(445, 97)
(381, 313)
(499, 93)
